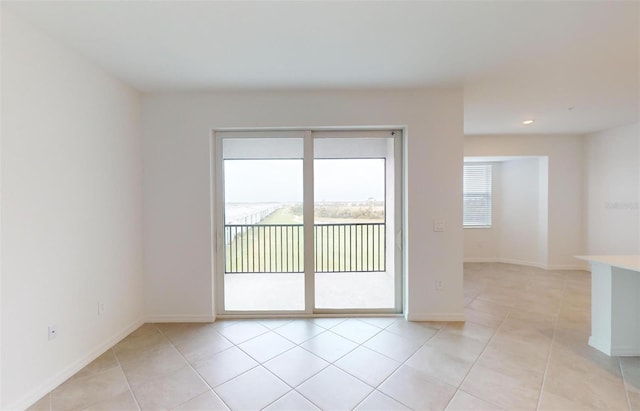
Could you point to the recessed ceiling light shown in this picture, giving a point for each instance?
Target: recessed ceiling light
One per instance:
(527, 122)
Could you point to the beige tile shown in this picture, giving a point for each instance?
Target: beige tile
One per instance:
(180, 332)
(393, 345)
(380, 322)
(634, 400)
(459, 346)
(553, 402)
(327, 322)
(497, 310)
(502, 355)
(202, 347)
(44, 404)
(510, 389)
(440, 365)
(242, 331)
(207, 401)
(356, 330)
(377, 401)
(104, 362)
(170, 391)
(465, 402)
(631, 373)
(414, 331)
(82, 392)
(252, 390)
(470, 330)
(160, 364)
(122, 402)
(273, 323)
(295, 366)
(541, 325)
(146, 342)
(329, 346)
(540, 305)
(571, 376)
(224, 366)
(220, 324)
(292, 401)
(416, 390)
(197, 341)
(266, 346)
(368, 365)
(141, 341)
(498, 297)
(586, 360)
(333, 389)
(482, 318)
(299, 331)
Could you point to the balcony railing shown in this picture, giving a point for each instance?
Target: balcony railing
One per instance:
(279, 248)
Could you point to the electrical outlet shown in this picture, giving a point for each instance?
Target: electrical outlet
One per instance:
(438, 225)
(53, 332)
(438, 285)
(101, 308)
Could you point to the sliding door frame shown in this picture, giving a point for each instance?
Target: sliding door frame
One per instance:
(309, 135)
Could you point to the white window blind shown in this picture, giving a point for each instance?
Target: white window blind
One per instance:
(477, 195)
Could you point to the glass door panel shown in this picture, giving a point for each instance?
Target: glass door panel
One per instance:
(353, 193)
(263, 229)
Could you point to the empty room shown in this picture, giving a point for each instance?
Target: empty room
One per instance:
(319, 205)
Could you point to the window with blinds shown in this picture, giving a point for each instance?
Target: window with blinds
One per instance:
(477, 195)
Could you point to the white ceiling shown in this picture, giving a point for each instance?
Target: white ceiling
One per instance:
(515, 60)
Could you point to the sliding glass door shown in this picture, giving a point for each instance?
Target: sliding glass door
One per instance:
(307, 221)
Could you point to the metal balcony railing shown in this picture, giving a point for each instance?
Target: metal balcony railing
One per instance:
(279, 248)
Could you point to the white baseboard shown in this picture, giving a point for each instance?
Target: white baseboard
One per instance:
(569, 267)
(525, 263)
(482, 260)
(180, 318)
(446, 317)
(49, 385)
(613, 351)
(577, 266)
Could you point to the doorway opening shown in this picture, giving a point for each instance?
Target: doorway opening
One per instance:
(307, 221)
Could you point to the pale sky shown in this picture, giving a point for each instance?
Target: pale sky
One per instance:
(257, 181)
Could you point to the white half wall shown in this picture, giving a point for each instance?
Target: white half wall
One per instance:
(71, 212)
(565, 233)
(612, 195)
(177, 210)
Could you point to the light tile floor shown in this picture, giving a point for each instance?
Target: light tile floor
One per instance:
(523, 347)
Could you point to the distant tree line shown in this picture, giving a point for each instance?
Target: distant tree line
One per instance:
(355, 210)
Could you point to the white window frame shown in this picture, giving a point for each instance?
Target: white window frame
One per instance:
(483, 212)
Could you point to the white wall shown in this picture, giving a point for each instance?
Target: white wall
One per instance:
(565, 236)
(520, 216)
(612, 195)
(71, 212)
(177, 213)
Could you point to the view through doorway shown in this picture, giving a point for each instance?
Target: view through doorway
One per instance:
(309, 221)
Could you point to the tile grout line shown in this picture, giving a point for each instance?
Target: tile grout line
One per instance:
(458, 388)
(624, 383)
(359, 345)
(402, 363)
(126, 379)
(196, 371)
(553, 339)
